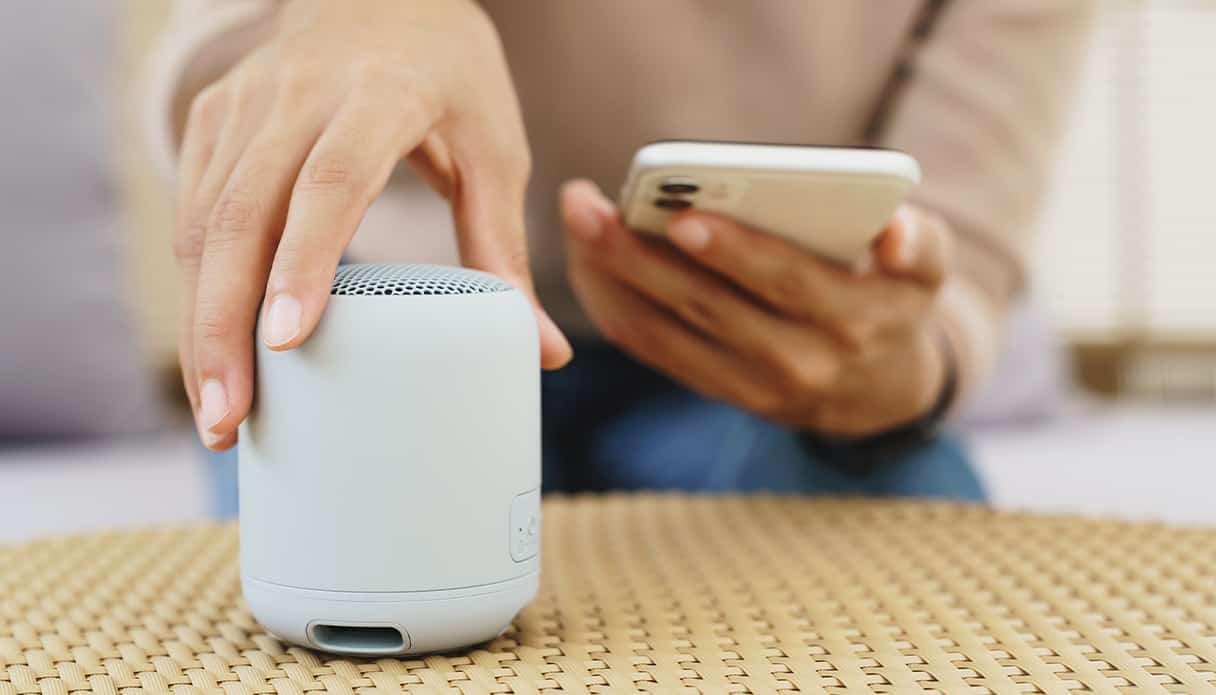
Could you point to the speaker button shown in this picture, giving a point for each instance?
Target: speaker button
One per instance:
(525, 526)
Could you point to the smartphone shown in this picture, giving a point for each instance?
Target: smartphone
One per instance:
(833, 201)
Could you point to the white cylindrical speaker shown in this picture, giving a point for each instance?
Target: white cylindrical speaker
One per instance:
(390, 468)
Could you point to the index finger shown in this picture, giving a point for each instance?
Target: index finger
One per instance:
(788, 278)
(488, 208)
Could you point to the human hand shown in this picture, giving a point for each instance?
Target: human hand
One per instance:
(281, 157)
(745, 317)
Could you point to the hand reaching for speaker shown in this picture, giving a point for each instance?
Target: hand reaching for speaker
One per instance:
(282, 155)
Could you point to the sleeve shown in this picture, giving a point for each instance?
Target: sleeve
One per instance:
(202, 39)
(981, 110)
(982, 107)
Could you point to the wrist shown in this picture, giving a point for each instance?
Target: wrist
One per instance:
(939, 375)
(864, 451)
(929, 421)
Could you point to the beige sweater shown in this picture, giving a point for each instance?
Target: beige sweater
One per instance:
(980, 108)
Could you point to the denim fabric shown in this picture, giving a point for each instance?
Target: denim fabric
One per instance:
(222, 474)
(610, 423)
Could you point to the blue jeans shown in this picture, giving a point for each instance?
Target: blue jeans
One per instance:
(610, 423)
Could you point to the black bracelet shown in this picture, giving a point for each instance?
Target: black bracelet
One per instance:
(863, 453)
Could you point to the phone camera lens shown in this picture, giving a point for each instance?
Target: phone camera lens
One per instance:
(672, 204)
(678, 186)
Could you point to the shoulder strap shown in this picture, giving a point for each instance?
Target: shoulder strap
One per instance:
(891, 91)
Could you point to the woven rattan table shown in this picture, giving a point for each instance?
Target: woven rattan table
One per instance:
(670, 594)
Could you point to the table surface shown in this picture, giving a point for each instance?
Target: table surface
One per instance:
(671, 594)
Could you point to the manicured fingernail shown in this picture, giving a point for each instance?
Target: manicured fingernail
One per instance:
(282, 321)
(213, 403)
(549, 326)
(603, 207)
(211, 439)
(691, 235)
(556, 330)
(909, 240)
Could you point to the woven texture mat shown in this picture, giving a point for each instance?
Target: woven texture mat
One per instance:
(670, 594)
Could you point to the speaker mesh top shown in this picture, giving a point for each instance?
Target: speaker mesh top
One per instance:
(412, 279)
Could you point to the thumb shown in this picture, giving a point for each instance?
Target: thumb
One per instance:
(915, 246)
(488, 211)
(585, 211)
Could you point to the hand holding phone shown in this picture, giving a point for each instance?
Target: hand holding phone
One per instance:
(833, 201)
(735, 308)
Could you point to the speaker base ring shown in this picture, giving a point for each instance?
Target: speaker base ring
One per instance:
(428, 621)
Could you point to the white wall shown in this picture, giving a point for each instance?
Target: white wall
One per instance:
(1128, 235)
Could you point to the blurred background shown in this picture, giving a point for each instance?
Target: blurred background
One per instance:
(1120, 421)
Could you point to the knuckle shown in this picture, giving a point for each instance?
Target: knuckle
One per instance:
(188, 246)
(371, 74)
(328, 174)
(189, 240)
(397, 87)
(207, 107)
(701, 311)
(503, 159)
(414, 103)
(235, 215)
(289, 263)
(790, 289)
(212, 325)
(296, 84)
(247, 88)
(237, 209)
(515, 258)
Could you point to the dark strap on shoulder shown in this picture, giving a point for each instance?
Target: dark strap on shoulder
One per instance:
(930, 11)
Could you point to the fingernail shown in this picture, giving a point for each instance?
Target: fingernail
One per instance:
(213, 403)
(909, 241)
(603, 207)
(557, 331)
(691, 235)
(588, 225)
(211, 439)
(549, 326)
(282, 321)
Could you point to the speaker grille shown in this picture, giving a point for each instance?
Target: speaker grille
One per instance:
(362, 279)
